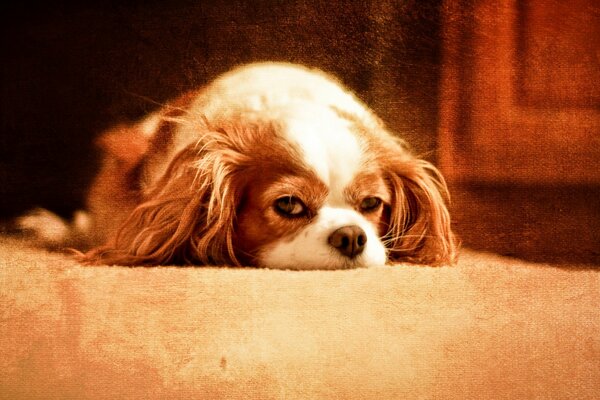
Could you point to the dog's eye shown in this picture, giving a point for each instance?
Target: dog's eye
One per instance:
(370, 204)
(290, 206)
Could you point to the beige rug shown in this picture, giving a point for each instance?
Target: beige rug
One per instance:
(487, 328)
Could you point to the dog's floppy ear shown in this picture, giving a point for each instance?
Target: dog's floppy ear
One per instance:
(418, 220)
(186, 218)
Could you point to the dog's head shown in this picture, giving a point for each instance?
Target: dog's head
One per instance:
(325, 191)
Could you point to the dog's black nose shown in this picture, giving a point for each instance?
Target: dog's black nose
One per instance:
(349, 240)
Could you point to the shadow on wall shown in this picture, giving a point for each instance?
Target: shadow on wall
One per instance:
(71, 71)
(520, 126)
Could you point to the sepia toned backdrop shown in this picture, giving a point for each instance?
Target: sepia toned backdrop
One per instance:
(461, 80)
(520, 126)
(501, 96)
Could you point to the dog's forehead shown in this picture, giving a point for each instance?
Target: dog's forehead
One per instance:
(328, 146)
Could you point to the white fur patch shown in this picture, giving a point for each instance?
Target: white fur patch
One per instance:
(149, 125)
(264, 91)
(263, 87)
(310, 248)
(327, 146)
(50, 230)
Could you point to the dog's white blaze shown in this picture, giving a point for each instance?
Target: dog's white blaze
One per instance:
(310, 249)
(327, 146)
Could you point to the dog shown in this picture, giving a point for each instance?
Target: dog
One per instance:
(271, 165)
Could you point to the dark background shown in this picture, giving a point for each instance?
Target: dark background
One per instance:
(71, 71)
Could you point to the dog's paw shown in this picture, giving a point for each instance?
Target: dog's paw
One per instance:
(50, 230)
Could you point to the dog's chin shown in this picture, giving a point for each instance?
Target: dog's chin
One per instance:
(315, 258)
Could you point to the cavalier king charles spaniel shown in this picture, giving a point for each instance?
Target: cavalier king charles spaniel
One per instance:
(272, 165)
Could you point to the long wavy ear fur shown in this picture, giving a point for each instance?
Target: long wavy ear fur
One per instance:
(187, 218)
(419, 223)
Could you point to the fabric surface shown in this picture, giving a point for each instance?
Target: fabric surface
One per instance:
(487, 328)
